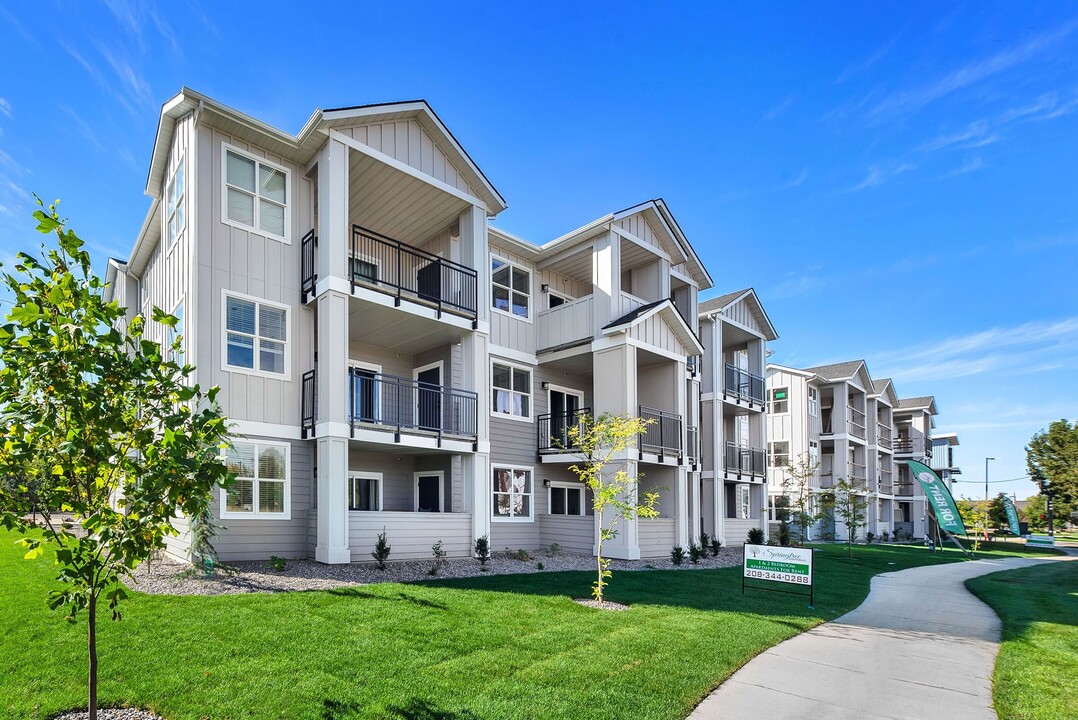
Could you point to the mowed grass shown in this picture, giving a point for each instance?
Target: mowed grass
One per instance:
(488, 647)
(1036, 675)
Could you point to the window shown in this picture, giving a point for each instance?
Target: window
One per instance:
(814, 401)
(511, 287)
(512, 391)
(814, 454)
(363, 270)
(256, 335)
(779, 453)
(262, 483)
(176, 215)
(364, 402)
(174, 333)
(512, 493)
(570, 500)
(256, 194)
(779, 400)
(744, 502)
(365, 491)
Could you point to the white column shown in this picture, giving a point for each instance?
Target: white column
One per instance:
(606, 280)
(332, 545)
(615, 392)
(333, 221)
(332, 429)
(683, 527)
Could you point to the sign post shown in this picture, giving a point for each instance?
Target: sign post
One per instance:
(789, 565)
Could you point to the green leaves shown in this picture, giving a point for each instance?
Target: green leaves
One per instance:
(46, 223)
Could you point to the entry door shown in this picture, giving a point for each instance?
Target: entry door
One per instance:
(429, 398)
(564, 407)
(429, 493)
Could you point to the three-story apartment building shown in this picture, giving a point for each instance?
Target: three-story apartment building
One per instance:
(392, 362)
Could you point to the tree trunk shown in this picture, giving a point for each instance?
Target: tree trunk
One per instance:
(92, 649)
(599, 558)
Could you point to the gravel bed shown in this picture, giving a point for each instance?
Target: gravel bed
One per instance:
(110, 714)
(604, 605)
(166, 576)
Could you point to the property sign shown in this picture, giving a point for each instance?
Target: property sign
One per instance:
(1012, 515)
(778, 564)
(939, 497)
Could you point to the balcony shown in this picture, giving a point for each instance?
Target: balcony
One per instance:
(377, 401)
(692, 440)
(404, 272)
(855, 422)
(745, 460)
(885, 485)
(662, 436)
(883, 435)
(553, 431)
(567, 324)
(857, 474)
(743, 385)
(913, 446)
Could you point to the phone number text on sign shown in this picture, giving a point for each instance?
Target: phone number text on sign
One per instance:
(777, 576)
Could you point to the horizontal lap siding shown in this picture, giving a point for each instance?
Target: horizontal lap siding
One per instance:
(410, 535)
(179, 546)
(573, 533)
(737, 530)
(657, 536)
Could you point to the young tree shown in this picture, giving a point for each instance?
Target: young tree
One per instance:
(602, 444)
(850, 508)
(797, 486)
(1052, 460)
(128, 443)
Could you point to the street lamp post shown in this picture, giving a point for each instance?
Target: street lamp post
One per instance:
(986, 496)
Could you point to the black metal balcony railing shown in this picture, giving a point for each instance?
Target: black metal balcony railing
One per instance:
(662, 436)
(308, 276)
(883, 435)
(692, 442)
(913, 446)
(744, 384)
(553, 430)
(745, 460)
(403, 404)
(394, 267)
(308, 410)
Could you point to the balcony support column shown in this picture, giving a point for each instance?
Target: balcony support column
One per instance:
(333, 236)
(475, 470)
(615, 392)
(332, 428)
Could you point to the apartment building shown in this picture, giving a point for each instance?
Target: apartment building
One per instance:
(854, 428)
(943, 459)
(735, 330)
(390, 361)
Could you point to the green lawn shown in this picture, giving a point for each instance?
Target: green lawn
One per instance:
(1036, 676)
(1067, 537)
(488, 647)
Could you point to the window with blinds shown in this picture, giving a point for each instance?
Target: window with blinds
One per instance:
(256, 335)
(256, 194)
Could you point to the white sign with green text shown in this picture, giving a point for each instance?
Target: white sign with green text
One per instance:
(778, 564)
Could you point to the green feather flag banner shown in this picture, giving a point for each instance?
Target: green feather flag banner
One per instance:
(939, 497)
(1012, 515)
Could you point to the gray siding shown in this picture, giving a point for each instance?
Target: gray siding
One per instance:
(410, 535)
(575, 534)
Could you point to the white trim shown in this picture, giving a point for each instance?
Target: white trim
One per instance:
(441, 382)
(173, 242)
(372, 367)
(256, 514)
(254, 228)
(568, 485)
(531, 390)
(512, 355)
(554, 293)
(494, 467)
(441, 488)
(247, 428)
(286, 376)
(367, 475)
(531, 289)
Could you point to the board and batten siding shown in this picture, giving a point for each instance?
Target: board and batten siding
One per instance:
(507, 330)
(259, 538)
(638, 225)
(247, 262)
(741, 313)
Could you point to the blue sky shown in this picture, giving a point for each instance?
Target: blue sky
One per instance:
(895, 179)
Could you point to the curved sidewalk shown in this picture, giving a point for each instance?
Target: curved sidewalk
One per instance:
(920, 646)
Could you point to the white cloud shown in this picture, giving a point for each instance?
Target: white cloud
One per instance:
(976, 134)
(797, 179)
(970, 165)
(879, 174)
(5, 107)
(775, 110)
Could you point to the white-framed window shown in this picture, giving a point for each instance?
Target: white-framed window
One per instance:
(364, 491)
(365, 394)
(513, 493)
(814, 454)
(255, 194)
(556, 299)
(779, 452)
(263, 480)
(744, 502)
(364, 269)
(511, 391)
(511, 288)
(778, 400)
(178, 331)
(813, 401)
(175, 210)
(570, 499)
(255, 336)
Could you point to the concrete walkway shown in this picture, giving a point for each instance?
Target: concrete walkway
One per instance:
(919, 647)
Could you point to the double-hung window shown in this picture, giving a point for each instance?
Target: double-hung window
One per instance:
(780, 400)
(511, 287)
(174, 206)
(814, 401)
(256, 335)
(780, 453)
(262, 484)
(511, 391)
(744, 502)
(570, 500)
(512, 493)
(256, 194)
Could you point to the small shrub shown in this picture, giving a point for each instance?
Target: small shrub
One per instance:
(538, 566)
(773, 541)
(677, 555)
(278, 563)
(705, 540)
(482, 552)
(784, 535)
(381, 550)
(439, 554)
(715, 545)
(828, 536)
(885, 536)
(756, 536)
(695, 553)
(554, 550)
(869, 537)
(521, 554)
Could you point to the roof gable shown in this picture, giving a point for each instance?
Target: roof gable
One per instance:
(652, 318)
(743, 307)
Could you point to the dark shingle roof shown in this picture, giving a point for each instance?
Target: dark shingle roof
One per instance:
(630, 317)
(916, 402)
(836, 371)
(879, 385)
(718, 303)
